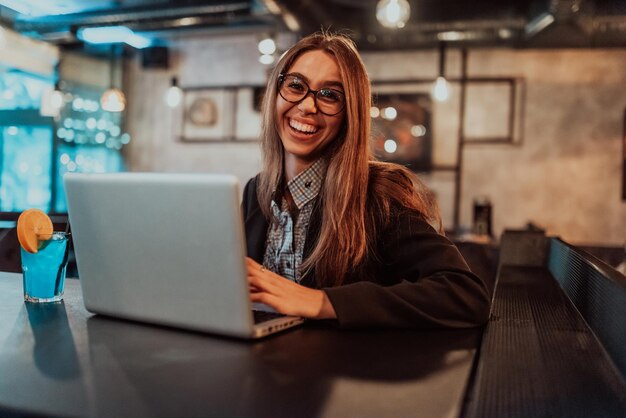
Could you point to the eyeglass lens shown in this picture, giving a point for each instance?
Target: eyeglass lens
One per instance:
(328, 101)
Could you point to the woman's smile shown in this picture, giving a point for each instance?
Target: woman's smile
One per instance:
(303, 127)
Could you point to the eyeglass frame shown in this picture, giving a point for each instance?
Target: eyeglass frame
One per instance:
(281, 80)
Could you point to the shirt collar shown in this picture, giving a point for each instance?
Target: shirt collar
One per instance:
(306, 185)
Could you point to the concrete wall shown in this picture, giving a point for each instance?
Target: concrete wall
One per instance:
(563, 174)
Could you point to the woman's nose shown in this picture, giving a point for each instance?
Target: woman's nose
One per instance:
(308, 105)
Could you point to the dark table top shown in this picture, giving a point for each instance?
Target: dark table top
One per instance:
(58, 359)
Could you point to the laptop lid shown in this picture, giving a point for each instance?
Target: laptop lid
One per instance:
(162, 248)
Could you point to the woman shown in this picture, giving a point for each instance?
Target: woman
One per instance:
(331, 232)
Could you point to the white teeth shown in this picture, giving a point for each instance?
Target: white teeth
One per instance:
(302, 127)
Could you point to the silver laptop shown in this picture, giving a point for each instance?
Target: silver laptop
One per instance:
(167, 249)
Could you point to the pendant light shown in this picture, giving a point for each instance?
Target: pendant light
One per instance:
(113, 100)
(174, 94)
(441, 88)
(393, 13)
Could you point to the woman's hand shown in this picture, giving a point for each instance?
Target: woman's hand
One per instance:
(285, 296)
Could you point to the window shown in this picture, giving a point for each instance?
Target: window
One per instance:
(36, 151)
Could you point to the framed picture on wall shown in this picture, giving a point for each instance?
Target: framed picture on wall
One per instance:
(401, 129)
(208, 114)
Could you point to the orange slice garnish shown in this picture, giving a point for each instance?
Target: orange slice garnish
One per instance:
(33, 225)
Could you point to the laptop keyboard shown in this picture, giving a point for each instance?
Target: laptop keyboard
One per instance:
(262, 316)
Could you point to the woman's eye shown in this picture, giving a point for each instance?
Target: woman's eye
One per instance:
(294, 85)
(329, 95)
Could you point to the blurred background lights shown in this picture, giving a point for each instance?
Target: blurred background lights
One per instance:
(374, 112)
(91, 123)
(390, 146)
(12, 130)
(77, 104)
(51, 102)
(393, 13)
(100, 138)
(91, 106)
(451, 36)
(505, 33)
(267, 46)
(266, 59)
(113, 34)
(79, 124)
(390, 113)
(110, 143)
(65, 158)
(113, 100)
(418, 130)
(56, 99)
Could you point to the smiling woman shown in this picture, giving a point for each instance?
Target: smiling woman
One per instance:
(331, 232)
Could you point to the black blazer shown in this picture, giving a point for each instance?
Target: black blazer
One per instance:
(418, 280)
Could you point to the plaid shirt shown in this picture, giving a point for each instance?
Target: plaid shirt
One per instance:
(285, 238)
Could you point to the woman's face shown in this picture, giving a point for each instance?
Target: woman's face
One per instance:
(305, 132)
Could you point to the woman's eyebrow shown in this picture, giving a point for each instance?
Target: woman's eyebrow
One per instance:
(334, 84)
(324, 83)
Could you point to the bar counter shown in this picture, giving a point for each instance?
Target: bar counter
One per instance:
(60, 360)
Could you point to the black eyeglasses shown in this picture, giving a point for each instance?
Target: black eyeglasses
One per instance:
(294, 89)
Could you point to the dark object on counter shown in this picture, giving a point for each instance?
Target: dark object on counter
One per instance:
(482, 224)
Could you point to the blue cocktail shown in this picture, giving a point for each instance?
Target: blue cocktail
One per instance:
(44, 271)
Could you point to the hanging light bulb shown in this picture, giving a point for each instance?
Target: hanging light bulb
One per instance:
(174, 94)
(113, 100)
(393, 13)
(441, 88)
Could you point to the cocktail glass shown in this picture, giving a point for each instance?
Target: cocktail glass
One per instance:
(44, 271)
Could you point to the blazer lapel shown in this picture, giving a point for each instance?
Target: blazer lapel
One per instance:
(256, 231)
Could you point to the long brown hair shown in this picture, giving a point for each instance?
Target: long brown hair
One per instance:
(358, 191)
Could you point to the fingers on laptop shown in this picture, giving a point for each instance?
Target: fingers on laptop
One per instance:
(284, 295)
